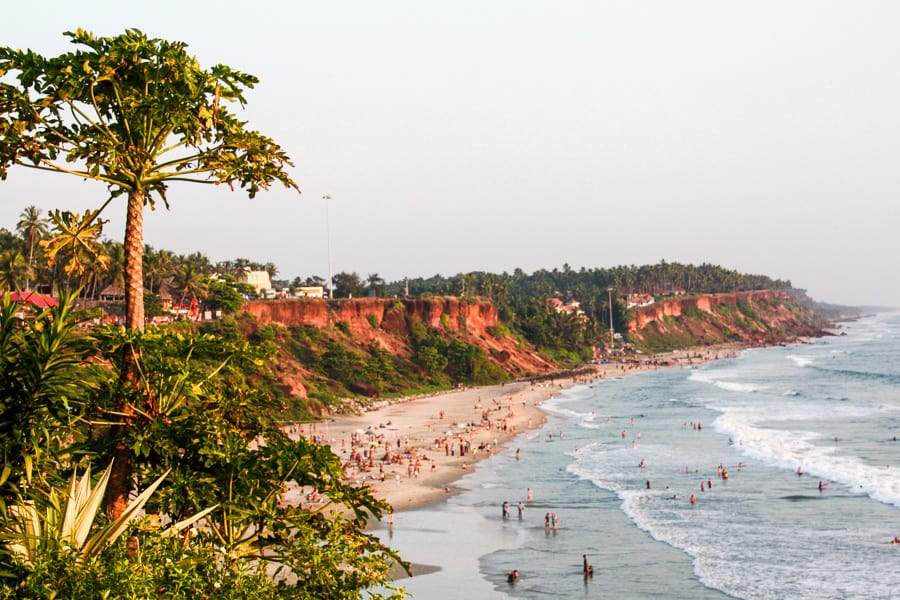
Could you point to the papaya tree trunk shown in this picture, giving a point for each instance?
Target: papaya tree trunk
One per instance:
(120, 484)
(134, 262)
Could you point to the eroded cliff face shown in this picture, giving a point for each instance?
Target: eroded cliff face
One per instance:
(385, 321)
(760, 317)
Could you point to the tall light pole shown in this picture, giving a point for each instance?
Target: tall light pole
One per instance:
(326, 198)
(612, 334)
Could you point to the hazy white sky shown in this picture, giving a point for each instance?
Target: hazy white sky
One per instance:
(487, 135)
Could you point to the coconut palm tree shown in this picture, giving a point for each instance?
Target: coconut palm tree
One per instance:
(376, 283)
(157, 266)
(13, 270)
(115, 265)
(32, 227)
(191, 282)
(239, 268)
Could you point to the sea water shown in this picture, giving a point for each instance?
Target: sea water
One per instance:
(829, 408)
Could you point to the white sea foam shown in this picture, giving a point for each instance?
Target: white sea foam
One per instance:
(790, 449)
(733, 552)
(734, 386)
(556, 409)
(731, 386)
(801, 361)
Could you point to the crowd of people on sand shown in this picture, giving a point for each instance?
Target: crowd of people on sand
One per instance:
(381, 453)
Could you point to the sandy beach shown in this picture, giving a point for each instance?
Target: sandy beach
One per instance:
(411, 452)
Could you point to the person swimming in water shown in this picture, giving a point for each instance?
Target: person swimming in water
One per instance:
(513, 576)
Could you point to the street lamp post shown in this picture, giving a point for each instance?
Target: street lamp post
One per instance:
(612, 334)
(326, 197)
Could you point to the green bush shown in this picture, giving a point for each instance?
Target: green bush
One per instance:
(342, 364)
(418, 331)
(747, 309)
(693, 312)
(169, 568)
(269, 333)
(226, 329)
(431, 360)
(499, 331)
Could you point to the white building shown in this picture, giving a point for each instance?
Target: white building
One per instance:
(316, 291)
(259, 280)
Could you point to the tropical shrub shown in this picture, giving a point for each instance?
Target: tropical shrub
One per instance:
(195, 416)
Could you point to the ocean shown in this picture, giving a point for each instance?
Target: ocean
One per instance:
(618, 460)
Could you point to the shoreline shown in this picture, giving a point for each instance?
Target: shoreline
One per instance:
(411, 452)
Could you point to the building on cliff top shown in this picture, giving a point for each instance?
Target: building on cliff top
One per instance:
(258, 280)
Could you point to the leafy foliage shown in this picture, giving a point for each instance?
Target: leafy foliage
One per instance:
(111, 110)
(196, 418)
(41, 384)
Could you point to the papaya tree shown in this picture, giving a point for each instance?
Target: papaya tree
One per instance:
(137, 114)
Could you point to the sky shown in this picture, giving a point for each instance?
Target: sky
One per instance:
(492, 135)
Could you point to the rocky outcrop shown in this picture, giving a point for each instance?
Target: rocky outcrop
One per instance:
(757, 317)
(385, 321)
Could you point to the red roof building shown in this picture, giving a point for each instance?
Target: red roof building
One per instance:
(33, 299)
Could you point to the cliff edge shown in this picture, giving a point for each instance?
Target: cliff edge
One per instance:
(763, 317)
